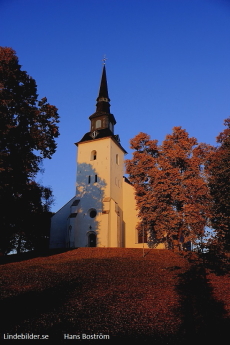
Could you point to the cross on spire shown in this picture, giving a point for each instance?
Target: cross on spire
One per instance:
(104, 59)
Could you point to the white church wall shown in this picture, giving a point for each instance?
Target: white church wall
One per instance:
(88, 167)
(59, 223)
(112, 225)
(116, 172)
(90, 189)
(103, 234)
(104, 159)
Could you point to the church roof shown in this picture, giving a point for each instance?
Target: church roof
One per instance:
(100, 134)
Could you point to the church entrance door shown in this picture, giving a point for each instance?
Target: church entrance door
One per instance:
(92, 240)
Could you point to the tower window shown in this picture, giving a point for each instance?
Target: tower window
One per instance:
(98, 123)
(93, 155)
(95, 179)
(117, 159)
(89, 179)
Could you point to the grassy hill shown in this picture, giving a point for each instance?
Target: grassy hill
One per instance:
(115, 293)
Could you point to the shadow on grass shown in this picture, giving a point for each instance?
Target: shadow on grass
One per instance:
(203, 318)
(21, 311)
(217, 263)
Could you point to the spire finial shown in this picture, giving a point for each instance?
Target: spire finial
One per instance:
(104, 59)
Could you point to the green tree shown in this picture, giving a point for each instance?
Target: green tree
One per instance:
(219, 184)
(171, 191)
(28, 128)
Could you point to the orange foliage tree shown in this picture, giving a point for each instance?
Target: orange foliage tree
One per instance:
(170, 182)
(219, 184)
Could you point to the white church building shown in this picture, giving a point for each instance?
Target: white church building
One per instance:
(103, 211)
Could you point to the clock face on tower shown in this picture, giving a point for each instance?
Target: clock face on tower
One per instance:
(94, 134)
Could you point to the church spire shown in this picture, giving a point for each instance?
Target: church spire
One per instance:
(102, 122)
(103, 96)
(102, 119)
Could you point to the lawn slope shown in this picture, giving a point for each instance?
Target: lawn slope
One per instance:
(161, 298)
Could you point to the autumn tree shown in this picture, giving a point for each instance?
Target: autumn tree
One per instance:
(219, 183)
(28, 128)
(170, 184)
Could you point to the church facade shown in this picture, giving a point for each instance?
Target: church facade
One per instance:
(103, 211)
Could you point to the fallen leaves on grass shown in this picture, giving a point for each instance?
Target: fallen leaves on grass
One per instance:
(115, 291)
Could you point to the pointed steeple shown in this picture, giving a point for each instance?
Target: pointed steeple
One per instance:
(102, 119)
(102, 122)
(103, 92)
(103, 96)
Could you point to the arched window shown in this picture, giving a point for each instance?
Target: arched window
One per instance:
(98, 123)
(117, 159)
(93, 155)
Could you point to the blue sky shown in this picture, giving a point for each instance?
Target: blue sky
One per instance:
(168, 65)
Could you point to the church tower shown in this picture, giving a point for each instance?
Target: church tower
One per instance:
(100, 164)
